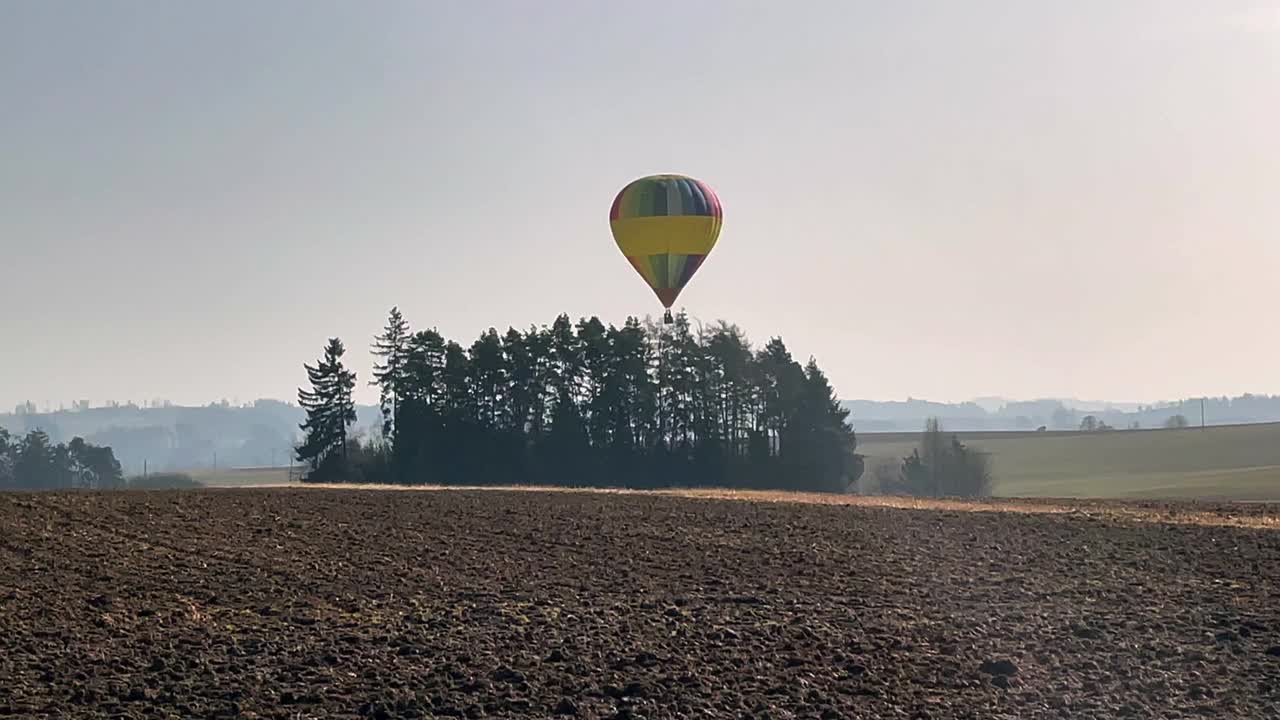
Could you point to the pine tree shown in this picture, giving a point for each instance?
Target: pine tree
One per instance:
(677, 376)
(36, 464)
(389, 375)
(490, 379)
(821, 430)
(593, 341)
(538, 346)
(781, 379)
(7, 452)
(330, 409)
(424, 370)
(566, 370)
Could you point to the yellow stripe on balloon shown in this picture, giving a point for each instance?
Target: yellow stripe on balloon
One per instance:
(674, 234)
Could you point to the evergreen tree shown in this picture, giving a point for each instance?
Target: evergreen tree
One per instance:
(35, 464)
(518, 362)
(424, 370)
(565, 453)
(677, 377)
(729, 365)
(489, 379)
(423, 405)
(566, 372)
(459, 397)
(330, 409)
(390, 374)
(781, 379)
(596, 393)
(7, 453)
(820, 444)
(541, 366)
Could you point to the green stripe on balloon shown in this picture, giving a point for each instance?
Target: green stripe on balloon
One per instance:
(660, 270)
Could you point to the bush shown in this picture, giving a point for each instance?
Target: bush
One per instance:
(164, 481)
(338, 468)
(882, 476)
(939, 468)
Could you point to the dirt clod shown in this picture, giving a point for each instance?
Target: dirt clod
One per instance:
(998, 667)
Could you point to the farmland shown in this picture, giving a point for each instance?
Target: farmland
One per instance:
(1227, 462)
(290, 603)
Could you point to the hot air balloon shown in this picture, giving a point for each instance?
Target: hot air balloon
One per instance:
(666, 225)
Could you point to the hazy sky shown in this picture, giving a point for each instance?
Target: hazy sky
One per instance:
(935, 199)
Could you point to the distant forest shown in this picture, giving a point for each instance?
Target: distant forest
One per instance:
(583, 403)
(34, 462)
(158, 436)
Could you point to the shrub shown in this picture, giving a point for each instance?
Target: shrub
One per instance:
(939, 468)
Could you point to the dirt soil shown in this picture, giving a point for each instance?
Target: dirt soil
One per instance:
(338, 603)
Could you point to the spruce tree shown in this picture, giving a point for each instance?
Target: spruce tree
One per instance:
(537, 345)
(7, 452)
(424, 370)
(330, 409)
(677, 379)
(566, 373)
(781, 382)
(389, 375)
(36, 463)
(489, 379)
(821, 432)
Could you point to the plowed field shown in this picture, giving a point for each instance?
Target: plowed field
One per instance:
(339, 603)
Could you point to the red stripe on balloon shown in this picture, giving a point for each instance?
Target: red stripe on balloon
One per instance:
(617, 205)
(711, 195)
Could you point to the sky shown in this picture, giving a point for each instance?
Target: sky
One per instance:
(935, 200)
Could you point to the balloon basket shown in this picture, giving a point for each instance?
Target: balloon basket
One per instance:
(667, 319)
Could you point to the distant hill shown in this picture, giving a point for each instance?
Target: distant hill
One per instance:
(995, 403)
(992, 414)
(183, 438)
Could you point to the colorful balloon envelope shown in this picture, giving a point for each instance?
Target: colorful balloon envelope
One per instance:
(666, 225)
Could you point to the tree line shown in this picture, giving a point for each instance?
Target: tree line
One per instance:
(1091, 423)
(33, 462)
(583, 404)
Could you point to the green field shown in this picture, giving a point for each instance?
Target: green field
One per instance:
(242, 477)
(1240, 462)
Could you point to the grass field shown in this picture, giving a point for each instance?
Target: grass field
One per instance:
(1239, 462)
(241, 477)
